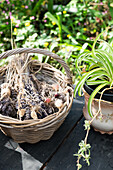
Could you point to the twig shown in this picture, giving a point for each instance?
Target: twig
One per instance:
(11, 35)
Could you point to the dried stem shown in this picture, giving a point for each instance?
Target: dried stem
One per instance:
(11, 35)
(33, 98)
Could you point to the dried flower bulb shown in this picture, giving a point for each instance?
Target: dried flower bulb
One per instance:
(57, 95)
(55, 87)
(4, 85)
(48, 100)
(36, 108)
(21, 112)
(65, 91)
(58, 103)
(33, 115)
(5, 89)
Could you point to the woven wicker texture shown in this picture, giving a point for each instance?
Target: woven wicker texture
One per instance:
(32, 131)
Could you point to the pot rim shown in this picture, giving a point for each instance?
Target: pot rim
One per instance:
(104, 94)
(95, 99)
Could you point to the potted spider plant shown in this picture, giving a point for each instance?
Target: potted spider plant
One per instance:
(96, 83)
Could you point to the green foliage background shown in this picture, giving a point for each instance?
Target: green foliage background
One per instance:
(64, 27)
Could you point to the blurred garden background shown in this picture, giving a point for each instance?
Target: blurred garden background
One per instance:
(65, 27)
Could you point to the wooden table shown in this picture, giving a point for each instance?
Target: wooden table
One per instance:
(57, 152)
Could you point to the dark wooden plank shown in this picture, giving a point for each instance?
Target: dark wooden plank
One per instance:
(44, 149)
(3, 139)
(11, 161)
(8, 157)
(13, 157)
(101, 151)
(40, 152)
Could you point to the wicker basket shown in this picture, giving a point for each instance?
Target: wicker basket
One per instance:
(32, 131)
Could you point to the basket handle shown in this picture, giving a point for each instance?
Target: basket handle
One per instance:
(40, 51)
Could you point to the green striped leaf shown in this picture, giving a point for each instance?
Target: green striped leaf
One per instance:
(93, 95)
(80, 84)
(105, 60)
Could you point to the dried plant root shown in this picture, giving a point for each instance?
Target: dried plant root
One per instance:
(6, 104)
(25, 97)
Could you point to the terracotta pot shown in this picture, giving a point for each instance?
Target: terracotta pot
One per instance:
(105, 124)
